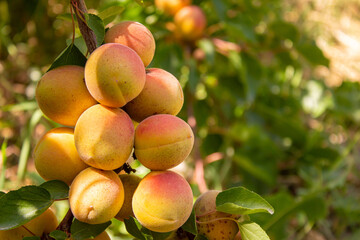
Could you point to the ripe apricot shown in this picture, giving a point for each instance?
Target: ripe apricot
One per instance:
(134, 35)
(163, 141)
(212, 223)
(162, 94)
(114, 74)
(96, 196)
(130, 183)
(170, 7)
(56, 157)
(44, 223)
(190, 23)
(62, 94)
(104, 137)
(163, 201)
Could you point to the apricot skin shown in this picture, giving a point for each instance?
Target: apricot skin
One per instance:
(162, 94)
(104, 137)
(171, 7)
(45, 223)
(96, 196)
(212, 223)
(62, 94)
(56, 157)
(114, 74)
(163, 201)
(134, 35)
(130, 183)
(190, 23)
(163, 141)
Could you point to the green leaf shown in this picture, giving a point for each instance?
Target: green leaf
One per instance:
(2, 194)
(110, 12)
(134, 228)
(80, 230)
(240, 200)
(20, 206)
(252, 231)
(312, 53)
(70, 56)
(58, 235)
(200, 237)
(57, 189)
(32, 238)
(156, 235)
(190, 224)
(96, 24)
(79, 43)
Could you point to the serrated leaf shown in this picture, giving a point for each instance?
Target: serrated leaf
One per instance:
(57, 189)
(70, 56)
(240, 200)
(80, 230)
(20, 206)
(32, 238)
(111, 11)
(252, 231)
(58, 235)
(134, 228)
(96, 24)
(190, 224)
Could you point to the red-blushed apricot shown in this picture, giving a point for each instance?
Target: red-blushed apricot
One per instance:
(190, 23)
(130, 183)
(171, 7)
(163, 201)
(96, 196)
(44, 223)
(134, 35)
(56, 157)
(163, 141)
(62, 94)
(162, 94)
(104, 137)
(114, 74)
(212, 223)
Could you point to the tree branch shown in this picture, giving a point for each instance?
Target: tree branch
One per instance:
(65, 224)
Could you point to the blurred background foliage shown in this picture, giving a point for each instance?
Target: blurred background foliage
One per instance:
(273, 88)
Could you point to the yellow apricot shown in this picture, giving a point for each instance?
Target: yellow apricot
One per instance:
(62, 94)
(96, 196)
(104, 137)
(44, 223)
(163, 201)
(114, 74)
(190, 23)
(162, 94)
(163, 141)
(56, 157)
(212, 223)
(134, 35)
(171, 7)
(130, 183)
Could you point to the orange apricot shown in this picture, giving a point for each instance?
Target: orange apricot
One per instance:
(190, 23)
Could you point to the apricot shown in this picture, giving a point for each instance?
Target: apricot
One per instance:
(104, 137)
(163, 201)
(62, 94)
(162, 94)
(134, 35)
(44, 223)
(170, 7)
(130, 183)
(212, 223)
(190, 23)
(56, 157)
(114, 74)
(163, 141)
(96, 196)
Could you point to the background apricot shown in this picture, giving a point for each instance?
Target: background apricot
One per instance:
(162, 94)
(114, 74)
(163, 141)
(134, 35)
(62, 94)
(171, 6)
(96, 196)
(104, 137)
(190, 23)
(163, 201)
(56, 157)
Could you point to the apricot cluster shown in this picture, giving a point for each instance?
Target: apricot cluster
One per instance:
(99, 104)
